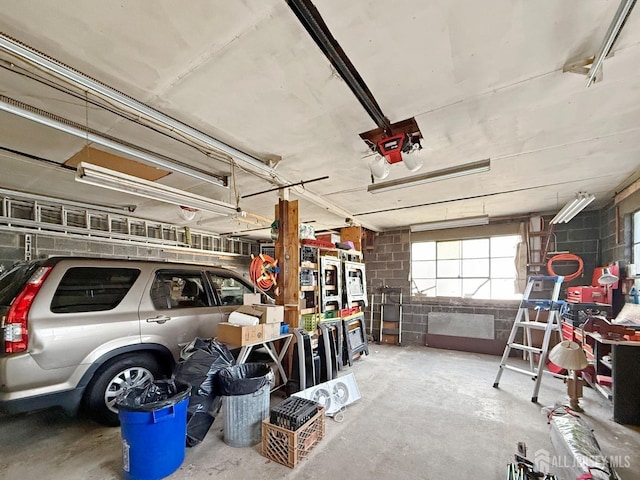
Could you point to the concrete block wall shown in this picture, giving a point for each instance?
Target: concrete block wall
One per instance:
(615, 247)
(45, 245)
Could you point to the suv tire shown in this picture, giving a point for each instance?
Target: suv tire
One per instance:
(113, 378)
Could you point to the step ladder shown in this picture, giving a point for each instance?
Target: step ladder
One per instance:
(523, 322)
(391, 315)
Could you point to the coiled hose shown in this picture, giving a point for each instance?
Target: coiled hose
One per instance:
(263, 271)
(566, 257)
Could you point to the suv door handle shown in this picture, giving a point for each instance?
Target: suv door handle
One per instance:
(159, 319)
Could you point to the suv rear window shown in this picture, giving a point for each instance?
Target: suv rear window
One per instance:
(12, 281)
(92, 289)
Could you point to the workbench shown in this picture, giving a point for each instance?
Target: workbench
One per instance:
(270, 347)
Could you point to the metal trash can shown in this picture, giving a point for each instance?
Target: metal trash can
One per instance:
(246, 395)
(153, 421)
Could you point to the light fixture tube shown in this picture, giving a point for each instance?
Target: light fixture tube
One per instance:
(453, 223)
(121, 182)
(610, 37)
(572, 208)
(10, 107)
(435, 176)
(77, 78)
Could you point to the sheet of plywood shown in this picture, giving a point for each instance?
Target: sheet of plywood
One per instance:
(114, 162)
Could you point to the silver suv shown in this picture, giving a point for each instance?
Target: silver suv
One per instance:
(76, 332)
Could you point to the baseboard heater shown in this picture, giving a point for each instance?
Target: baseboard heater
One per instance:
(469, 332)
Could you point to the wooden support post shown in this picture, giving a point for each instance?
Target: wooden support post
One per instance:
(288, 254)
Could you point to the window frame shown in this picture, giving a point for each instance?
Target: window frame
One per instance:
(438, 281)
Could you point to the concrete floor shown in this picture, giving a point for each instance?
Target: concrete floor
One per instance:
(424, 414)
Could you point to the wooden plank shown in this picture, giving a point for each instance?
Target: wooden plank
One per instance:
(114, 162)
(352, 234)
(627, 192)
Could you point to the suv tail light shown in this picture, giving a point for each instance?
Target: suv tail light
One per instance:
(16, 337)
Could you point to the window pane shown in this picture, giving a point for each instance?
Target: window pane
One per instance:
(504, 246)
(476, 248)
(448, 288)
(423, 270)
(175, 289)
(470, 286)
(636, 227)
(92, 289)
(476, 288)
(448, 268)
(229, 289)
(478, 267)
(503, 268)
(425, 287)
(463, 267)
(423, 251)
(504, 289)
(636, 253)
(448, 250)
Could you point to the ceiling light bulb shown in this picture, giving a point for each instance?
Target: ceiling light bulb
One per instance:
(379, 167)
(412, 162)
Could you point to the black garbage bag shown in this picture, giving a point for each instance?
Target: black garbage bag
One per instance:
(199, 364)
(244, 379)
(153, 396)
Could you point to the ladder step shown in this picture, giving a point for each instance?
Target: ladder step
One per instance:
(520, 370)
(391, 331)
(526, 348)
(536, 325)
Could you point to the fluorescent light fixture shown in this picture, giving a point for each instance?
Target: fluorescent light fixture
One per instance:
(79, 79)
(121, 182)
(612, 34)
(573, 208)
(14, 107)
(453, 223)
(435, 176)
(59, 69)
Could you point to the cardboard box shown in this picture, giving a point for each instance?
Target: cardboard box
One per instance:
(251, 298)
(270, 313)
(271, 330)
(251, 310)
(239, 335)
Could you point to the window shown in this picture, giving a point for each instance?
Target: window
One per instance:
(178, 289)
(230, 290)
(92, 289)
(481, 268)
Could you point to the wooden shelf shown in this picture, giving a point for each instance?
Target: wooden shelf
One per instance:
(308, 265)
(308, 288)
(305, 311)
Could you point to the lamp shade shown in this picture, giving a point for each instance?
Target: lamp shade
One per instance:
(569, 355)
(607, 278)
(412, 162)
(379, 167)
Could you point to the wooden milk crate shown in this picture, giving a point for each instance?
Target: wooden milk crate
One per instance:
(290, 447)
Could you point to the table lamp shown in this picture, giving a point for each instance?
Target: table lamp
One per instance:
(569, 355)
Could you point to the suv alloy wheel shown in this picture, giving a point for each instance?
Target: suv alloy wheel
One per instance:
(114, 378)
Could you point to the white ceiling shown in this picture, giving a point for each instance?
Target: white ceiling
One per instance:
(482, 79)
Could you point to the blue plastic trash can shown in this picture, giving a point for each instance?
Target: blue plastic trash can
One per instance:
(153, 434)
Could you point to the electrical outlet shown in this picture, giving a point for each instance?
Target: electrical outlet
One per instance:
(537, 286)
